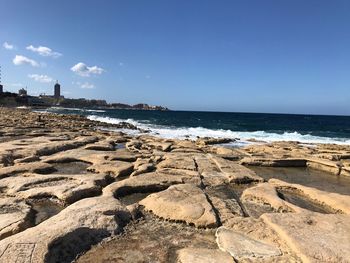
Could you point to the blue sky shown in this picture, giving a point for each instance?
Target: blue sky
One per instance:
(290, 56)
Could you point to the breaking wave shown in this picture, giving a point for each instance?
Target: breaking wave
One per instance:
(244, 136)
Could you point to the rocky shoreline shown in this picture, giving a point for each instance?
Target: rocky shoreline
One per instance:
(73, 190)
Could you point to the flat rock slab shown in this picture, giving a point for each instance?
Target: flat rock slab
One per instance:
(71, 232)
(243, 247)
(148, 182)
(314, 237)
(15, 216)
(67, 188)
(203, 255)
(186, 203)
(178, 161)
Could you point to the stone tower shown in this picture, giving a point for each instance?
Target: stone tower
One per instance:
(57, 90)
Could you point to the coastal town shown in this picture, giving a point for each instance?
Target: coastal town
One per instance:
(22, 98)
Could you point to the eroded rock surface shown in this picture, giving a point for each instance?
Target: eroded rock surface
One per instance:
(314, 237)
(241, 246)
(71, 191)
(62, 237)
(184, 202)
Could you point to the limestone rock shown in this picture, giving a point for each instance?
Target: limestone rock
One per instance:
(314, 237)
(243, 247)
(62, 237)
(337, 202)
(36, 167)
(15, 216)
(113, 168)
(203, 255)
(148, 182)
(185, 202)
(67, 188)
(272, 162)
(236, 173)
(178, 161)
(266, 193)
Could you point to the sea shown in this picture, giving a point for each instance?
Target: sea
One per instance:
(240, 126)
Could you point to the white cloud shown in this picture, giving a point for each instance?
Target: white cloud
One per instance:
(40, 78)
(44, 51)
(85, 71)
(8, 46)
(21, 60)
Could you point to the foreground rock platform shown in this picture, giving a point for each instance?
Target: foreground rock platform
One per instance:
(76, 190)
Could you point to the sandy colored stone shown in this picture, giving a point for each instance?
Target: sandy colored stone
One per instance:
(236, 173)
(67, 188)
(337, 202)
(324, 165)
(62, 237)
(148, 182)
(15, 216)
(35, 167)
(113, 168)
(266, 193)
(314, 237)
(203, 255)
(185, 202)
(178, 161)
(243, 247)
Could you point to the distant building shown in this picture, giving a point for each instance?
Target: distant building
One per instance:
(57, 93)
(1, 88)
(22, 92)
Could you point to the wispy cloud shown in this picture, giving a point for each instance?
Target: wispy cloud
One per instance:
(44, 51)
(40, 78)
(8, 46)
(22, 60)
(87, 85)
(85, 71)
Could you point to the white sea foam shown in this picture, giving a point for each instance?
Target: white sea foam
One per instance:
(73, 109)
(192, 133)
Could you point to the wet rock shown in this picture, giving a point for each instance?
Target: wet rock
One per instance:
(62, 237)
(202, 255)
(243, 247)
(286, 162)
(314, 237)
(186, 203)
